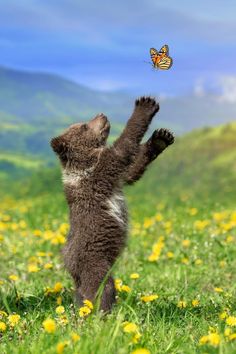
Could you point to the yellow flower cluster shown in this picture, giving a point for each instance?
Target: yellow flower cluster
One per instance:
(56, 289)
(86, 309)
(141, 351)
(149, 298)
(134, 276)
(156, 249)
(12, 319)
(212, 338)
(49, 325)
(132, 328)
(201, 225)
(122, 287)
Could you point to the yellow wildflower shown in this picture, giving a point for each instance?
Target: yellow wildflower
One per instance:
(134, 276)
(130, 327)
(136, 338)
(195, 302)
(222, 264)
(41, 254)
(84, 311)
(3, 326)
(118, 283)
(193, 211)
(141, 351)
(170, 254)
(13, 277)
(75, 337)
(149, 298)
(229, 239)
(48, 266)
(185, 260)
(22, 224)
(227, 332)
(232, 336)
(156, 249)
(88, 304)
(49, 325)
(182, 304)
(60, 309)
(223, 315)
(214, 339)
(58, 239)
(226, 226)
(219, 216)
(13, 319)
(231, 321)
(148, 222)
(203, 340)
(61, 346)
(219, 290)
(125, 288)
(59, 300)
(58, 287)
(64, 227)
(198, 261)
(37, 232)
(186, 243)
(158, 217)
(201, 224)
(211, 339)
(33, 268)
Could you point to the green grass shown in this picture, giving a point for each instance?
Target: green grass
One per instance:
(189, 196)
(21, 161)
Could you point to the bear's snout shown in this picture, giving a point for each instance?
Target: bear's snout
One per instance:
(100, 124)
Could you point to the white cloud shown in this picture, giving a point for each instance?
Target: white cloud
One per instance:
(228, 89)
(199, 89)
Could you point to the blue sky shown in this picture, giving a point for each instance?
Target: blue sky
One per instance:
(104, 44)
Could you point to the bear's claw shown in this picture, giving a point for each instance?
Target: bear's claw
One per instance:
(163, 134)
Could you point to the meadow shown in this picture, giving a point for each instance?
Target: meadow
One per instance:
(175, 280)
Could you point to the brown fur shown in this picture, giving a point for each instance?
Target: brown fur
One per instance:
(93, 176)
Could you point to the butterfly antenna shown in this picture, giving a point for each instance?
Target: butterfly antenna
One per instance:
(147, 62)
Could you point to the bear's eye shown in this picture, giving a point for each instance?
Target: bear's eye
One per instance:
(84, 127)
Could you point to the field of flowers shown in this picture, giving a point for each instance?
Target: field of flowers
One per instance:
(176, 280)
(175, 283)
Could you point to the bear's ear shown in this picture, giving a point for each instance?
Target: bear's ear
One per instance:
(59, 146)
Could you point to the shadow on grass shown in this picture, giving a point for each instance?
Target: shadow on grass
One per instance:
(153, 312)
(14, 302)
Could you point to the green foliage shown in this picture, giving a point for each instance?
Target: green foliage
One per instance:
(182, 243)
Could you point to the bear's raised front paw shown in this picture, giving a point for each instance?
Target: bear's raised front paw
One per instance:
(164, 135)
(148, 105)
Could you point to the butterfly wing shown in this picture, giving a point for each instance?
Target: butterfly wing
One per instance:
(165, 63)
(164, 49)
(154, 56)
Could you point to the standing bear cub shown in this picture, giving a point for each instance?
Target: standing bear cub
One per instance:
(93, 176)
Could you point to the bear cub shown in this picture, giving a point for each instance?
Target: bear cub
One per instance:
(93, 175)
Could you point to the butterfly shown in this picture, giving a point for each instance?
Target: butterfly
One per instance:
(161, 59)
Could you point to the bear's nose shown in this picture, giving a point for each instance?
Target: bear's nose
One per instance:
(98, 122)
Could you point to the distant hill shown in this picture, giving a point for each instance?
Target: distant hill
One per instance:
(199, 166)
(36, 98)
(35, 106)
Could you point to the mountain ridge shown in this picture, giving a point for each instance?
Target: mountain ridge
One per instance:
(34, 106)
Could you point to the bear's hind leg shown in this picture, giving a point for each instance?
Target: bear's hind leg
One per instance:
(92, 277)
(108, 297)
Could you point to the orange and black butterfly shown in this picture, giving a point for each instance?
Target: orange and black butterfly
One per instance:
(161, 59)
